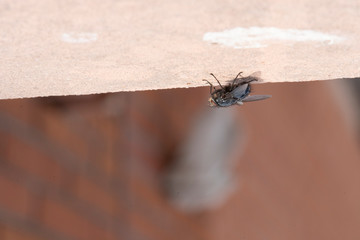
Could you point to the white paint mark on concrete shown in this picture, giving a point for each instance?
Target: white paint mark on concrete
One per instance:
(258, 37)
(79, 37)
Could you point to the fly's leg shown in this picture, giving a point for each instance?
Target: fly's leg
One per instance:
(239, 74)
(211, 86)
(217, 81)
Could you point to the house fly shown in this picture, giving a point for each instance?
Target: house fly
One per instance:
(237, 91)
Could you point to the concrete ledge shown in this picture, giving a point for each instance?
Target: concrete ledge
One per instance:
(84, 47)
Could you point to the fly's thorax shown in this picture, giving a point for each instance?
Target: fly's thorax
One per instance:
(225, 102)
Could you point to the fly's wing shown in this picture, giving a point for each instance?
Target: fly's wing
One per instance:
(255, 98)
(255, 74)
(239, 92)
(252, 77)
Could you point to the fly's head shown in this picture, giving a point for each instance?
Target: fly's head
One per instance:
(212, 102)
(215, 98)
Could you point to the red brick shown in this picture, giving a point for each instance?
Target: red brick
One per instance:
(11, 233)
(32, 160)
(149, 228)
(23, 110)
(14, 197)
(89, 191)
(53, 124)
(106, 161)
(107, 133)
(155, 200)
(136, 117)
(47, 119)
(2, 231)
(146, 158)
(60, 217)
(102, 125)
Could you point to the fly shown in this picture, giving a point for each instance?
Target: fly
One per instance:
(237, 91)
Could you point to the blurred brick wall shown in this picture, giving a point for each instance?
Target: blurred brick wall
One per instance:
(88, 167)
(299, 176)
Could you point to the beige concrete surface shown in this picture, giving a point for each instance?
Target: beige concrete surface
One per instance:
(83, 47)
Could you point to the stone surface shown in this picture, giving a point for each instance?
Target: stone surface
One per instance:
(84, 47)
